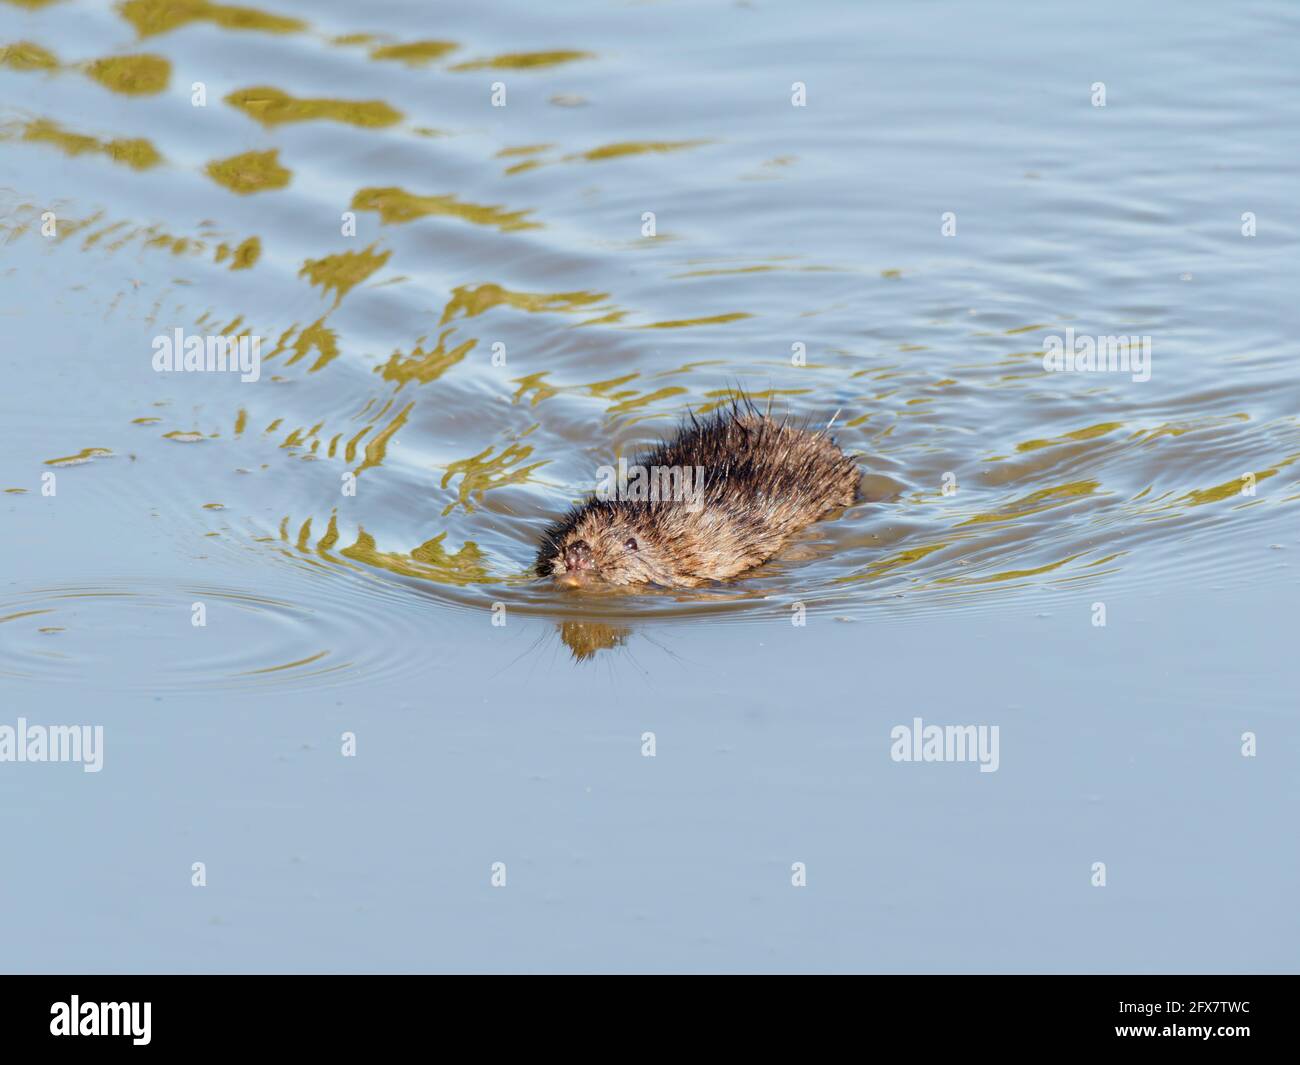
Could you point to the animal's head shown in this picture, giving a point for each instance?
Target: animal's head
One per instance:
(605, 544)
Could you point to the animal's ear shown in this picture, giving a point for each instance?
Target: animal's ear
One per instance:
(630, 543)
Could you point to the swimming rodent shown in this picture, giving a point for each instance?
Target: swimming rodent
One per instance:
(763, 481)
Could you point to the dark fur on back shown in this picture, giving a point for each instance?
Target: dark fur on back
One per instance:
(763, 481)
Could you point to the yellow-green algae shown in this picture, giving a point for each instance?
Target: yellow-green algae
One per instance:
(250, 172)
(473, 300)
(24, 55)
(274, 107)
(424, 366)
(343, 272)
(686, 323)
(524, 60)
(132, 75)
(136, 153)
(81, 457)
(414, 54)
(622, 149)
(151, 17)
(396, 206)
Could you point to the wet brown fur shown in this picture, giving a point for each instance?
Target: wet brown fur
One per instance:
(764, 482)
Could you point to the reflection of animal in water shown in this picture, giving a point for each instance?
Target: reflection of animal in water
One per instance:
(763, 482)
(585, 638)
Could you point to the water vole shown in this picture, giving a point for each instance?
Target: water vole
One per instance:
(745, 485)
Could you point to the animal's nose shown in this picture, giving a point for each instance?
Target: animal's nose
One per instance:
(577, 556)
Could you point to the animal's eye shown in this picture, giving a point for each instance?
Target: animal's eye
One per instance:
(630, 543)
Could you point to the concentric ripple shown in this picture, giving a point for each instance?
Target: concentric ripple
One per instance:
(134, 636)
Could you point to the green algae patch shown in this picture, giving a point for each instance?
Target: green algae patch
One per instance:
(250, 172)
(137, 153)
(274, 107)
(524, 60)
(396, 206)
(152, 17)
(342, 273)
(24, 55)
(132, 75)
(415, 54)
